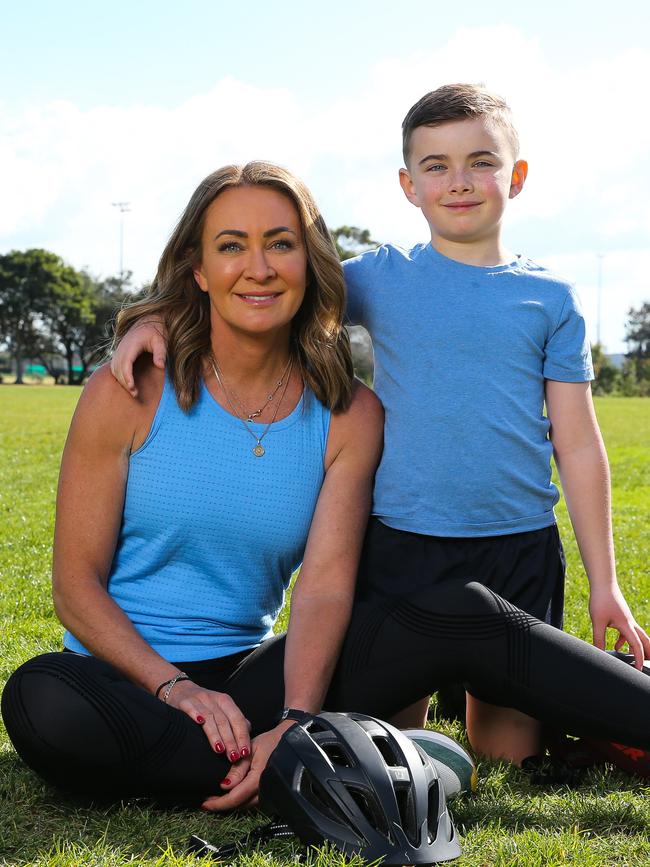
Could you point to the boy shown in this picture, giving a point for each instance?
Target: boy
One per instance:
(470, 341)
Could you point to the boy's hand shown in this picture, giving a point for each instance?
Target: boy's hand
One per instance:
(608, 608)
(147, 336)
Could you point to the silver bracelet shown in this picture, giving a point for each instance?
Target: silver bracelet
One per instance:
(172, 683)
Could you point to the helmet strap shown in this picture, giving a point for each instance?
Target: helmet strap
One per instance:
(272, 831)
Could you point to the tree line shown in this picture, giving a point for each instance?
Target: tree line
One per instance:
(55, 315)
(62, 318)
(632, 378)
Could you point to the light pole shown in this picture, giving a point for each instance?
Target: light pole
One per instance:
(599, 313)
(124, 209)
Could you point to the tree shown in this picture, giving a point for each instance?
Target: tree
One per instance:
(79, 327)
(27, 282)
(68, 309)
(56, 314)
(637, 337)
(92, 338)
(607, 375)
(637, 331)
(350, 241)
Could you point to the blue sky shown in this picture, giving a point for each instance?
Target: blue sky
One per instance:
(137, 101)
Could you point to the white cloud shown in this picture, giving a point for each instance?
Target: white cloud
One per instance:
(622, 283)
(584, 129)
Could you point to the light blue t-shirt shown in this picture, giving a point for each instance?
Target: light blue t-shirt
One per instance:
(210, 533)
(461, 355)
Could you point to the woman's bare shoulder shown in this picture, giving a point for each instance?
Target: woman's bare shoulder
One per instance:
(360, 428)
(365, 409)
(366, 402)
(105, 407)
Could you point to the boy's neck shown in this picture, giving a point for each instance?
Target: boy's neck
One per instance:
(483, 253)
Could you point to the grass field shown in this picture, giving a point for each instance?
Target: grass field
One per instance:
(604, 821)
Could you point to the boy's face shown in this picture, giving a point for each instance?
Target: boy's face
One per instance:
(461, 175)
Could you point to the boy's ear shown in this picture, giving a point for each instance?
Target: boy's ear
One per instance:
(407, 185)
(519, 174)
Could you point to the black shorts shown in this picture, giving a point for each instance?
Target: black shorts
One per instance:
(527, 569)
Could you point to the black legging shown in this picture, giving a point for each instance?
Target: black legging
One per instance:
(84, 727)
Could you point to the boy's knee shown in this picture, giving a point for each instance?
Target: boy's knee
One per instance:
(479, 599)
(464, 598)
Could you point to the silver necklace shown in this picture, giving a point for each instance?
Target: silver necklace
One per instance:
(258, 449)
(251, 416)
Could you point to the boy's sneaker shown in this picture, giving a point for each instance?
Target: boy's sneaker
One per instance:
(453, 764)
(632, 760)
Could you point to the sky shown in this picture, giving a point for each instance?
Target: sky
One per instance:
(137, 101)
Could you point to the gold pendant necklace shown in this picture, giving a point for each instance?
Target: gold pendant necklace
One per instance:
(258, 449)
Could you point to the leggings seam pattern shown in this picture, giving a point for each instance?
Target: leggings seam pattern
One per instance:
(358, 656)
(479, 626)
(127, 736)
(518, 625)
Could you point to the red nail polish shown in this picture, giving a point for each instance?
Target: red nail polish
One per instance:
(219, 747)
(200, 720)
(226, 782)
(244, 752)
(234, 756)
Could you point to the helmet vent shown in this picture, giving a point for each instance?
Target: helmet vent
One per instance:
(315, 726)
(433, 807)
(313, 792)
(406, 807)
(388, 753)
(369, 807)
(337, 755)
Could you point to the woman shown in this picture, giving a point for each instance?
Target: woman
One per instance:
(181, 516)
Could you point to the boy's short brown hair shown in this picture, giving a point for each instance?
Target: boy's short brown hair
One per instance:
(457, 102)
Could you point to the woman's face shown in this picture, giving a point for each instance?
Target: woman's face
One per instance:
(253, 261)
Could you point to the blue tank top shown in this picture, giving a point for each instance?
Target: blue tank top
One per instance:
(210, 533)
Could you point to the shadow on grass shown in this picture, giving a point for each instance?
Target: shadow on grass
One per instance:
(605, 801)
(36, 819)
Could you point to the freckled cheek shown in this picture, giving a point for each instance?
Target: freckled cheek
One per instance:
(430, 188)
(433, 193)
(496, 188)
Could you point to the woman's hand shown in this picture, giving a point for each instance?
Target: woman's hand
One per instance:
(225, 726)
(147, 336)
(243, 780)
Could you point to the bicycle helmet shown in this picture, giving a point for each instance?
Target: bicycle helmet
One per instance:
(360, 784)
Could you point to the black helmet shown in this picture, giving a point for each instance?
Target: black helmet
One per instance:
(362, 785)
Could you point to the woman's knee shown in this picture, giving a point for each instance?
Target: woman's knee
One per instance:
(32, 697)
(59, 703)
(28, 689)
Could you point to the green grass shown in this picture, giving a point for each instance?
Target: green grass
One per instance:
(604, 821)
